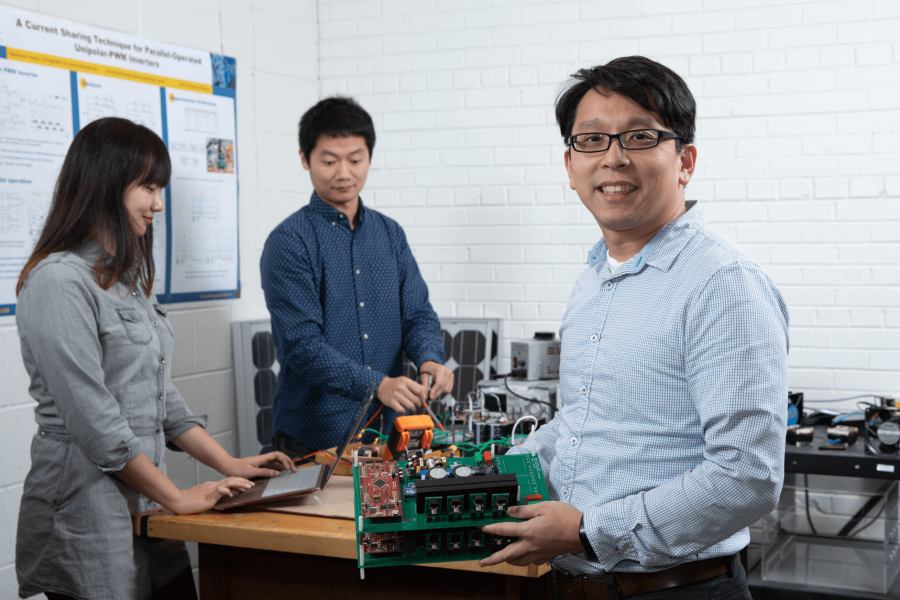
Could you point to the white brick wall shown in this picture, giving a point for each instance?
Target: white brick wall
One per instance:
(275, 44)
(798, 159)
(798, 104)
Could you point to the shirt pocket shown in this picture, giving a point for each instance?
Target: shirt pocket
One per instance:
(136, 328)
(50, 458)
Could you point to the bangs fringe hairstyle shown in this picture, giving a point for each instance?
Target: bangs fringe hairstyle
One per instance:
(104, 160)
(651, 85)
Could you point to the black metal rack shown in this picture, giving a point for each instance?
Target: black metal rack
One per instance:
(812, 460)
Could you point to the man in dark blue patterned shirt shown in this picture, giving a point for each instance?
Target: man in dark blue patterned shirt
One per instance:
(344, 292)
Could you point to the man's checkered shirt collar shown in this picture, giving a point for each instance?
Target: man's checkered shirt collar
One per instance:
(660, 252)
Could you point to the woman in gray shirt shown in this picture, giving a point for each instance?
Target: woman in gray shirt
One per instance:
(98, 348)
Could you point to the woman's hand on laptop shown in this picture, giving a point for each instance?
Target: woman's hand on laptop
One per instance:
(203, 497)
(261, 465)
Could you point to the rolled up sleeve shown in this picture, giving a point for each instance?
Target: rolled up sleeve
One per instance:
(179, 417)
(57, 320)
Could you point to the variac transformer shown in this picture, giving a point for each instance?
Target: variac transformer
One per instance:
(537, 358)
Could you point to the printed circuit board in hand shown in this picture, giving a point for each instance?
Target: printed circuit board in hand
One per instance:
(380, 490)
(430, 509)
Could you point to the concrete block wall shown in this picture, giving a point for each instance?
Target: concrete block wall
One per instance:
(275, 44)
(797, 117)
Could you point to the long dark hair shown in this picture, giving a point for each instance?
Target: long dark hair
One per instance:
(105, 158)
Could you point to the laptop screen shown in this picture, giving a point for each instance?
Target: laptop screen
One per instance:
(354, 426)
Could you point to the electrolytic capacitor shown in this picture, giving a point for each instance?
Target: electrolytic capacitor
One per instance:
(438, 473)
(462, 471)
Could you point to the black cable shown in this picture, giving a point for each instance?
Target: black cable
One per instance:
(875, 518)
(841, 399)
(429, 373)
(511, 391)
(806, 492)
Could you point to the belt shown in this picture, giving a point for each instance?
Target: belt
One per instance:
(622, 585)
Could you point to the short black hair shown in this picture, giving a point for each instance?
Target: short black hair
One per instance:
(337, 116)
(653, 86)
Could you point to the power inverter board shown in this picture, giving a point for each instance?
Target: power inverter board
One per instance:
(443, 503)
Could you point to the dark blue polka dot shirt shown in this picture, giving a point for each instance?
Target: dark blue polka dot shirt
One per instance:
(344, 304)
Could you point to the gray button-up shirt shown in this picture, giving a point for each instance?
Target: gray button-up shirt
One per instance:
(100, 367)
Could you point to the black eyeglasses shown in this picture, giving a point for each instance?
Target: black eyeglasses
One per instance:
(639, 139)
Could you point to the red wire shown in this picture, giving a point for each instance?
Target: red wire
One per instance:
(366, 426)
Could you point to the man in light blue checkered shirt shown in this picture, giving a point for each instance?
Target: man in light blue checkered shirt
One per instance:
(669, 441)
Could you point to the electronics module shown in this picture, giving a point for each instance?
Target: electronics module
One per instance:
(429, 509)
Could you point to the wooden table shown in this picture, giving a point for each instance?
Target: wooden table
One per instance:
(267, 555)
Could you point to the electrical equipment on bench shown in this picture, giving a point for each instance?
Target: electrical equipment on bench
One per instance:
(795, 408)
(842, 436)
(431, 509)
(537, 358)
(409, 435)
(486, 431)
(882, 430)
(800, 436)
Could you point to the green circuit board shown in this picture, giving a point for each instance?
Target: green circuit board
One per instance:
(399, 524)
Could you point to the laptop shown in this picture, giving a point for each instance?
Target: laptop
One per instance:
(301, 482)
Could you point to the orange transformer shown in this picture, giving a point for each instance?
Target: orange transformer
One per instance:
(409, 434)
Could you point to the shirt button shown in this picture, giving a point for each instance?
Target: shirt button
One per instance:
(362, 304)
(357, 271)
(583, 389)
(334, 222)
(160, 397)
(565, 493)
(609, 285)
(594, 338)
(574, 441)
(157, 430)
(134, 293)
(340, 216)
(162, 361)
(365, 336)
(368, 367)
(155, 323)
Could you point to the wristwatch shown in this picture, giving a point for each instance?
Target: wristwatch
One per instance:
(582, 535)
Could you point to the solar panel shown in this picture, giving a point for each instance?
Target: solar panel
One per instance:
(470, 346)
(256, 375)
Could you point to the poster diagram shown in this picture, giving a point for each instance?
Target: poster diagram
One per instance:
(204, 244)
(57, 77)
(100, 97)
(35, 132)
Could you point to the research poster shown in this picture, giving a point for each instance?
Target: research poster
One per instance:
(58, 76)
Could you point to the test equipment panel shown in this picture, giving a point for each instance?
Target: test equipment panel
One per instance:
(537, 358)
(430, 509)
